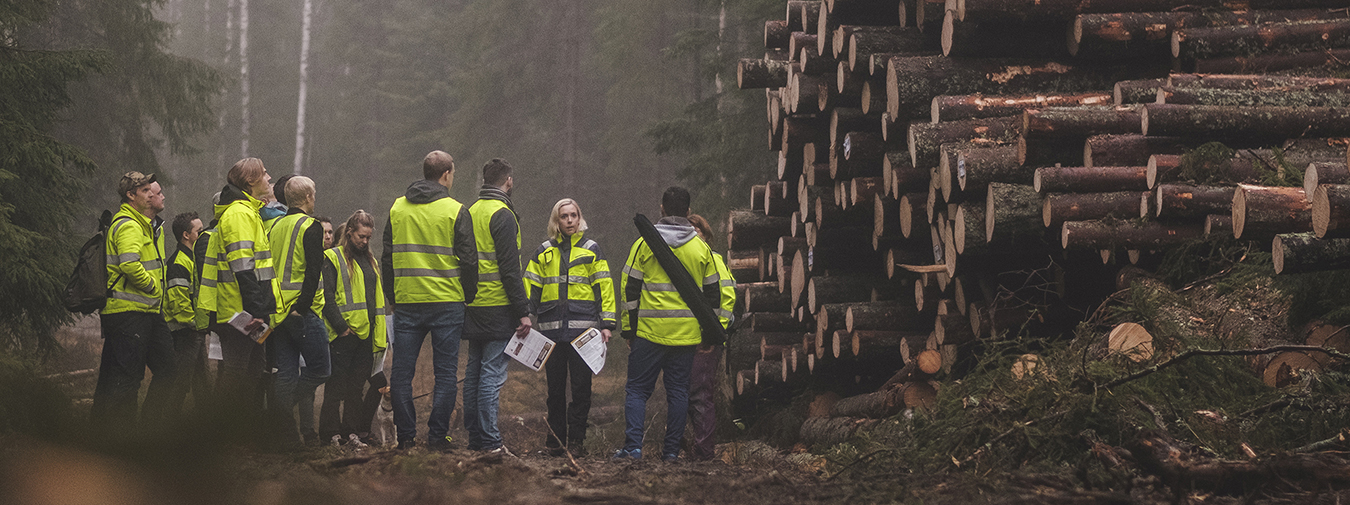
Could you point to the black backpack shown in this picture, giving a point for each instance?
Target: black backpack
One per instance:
(87, 290)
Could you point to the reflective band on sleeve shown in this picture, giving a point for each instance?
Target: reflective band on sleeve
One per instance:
(658, 286)
(711, 279)
(145, 300)
(603, 274)
(533, 277)
(242, 264)
(633, 305)
(210, 260)
(632, 272)
(426, 249)
(728, 283)
(118, 259)
(608, 315)
(722, 313)
(242, 244)
(224, 276)
(152, 264)
(179, 283)
(266, 274)
(262, 255)
(426, 272)
(487, 256)
(208, 282)
(662, 314)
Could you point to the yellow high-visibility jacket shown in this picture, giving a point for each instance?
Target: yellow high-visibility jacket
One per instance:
(135, 259)
(569, 283)
(656, 311)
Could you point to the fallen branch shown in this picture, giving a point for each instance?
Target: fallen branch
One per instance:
(1324, 444)
(1221, 352)
(859, 460)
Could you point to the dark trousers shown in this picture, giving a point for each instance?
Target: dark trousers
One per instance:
(647, 360)
(567, 420)
(702, 393)
(239, 379)
(131, 342)
(366, 415)
(342, 408)
(189, 348)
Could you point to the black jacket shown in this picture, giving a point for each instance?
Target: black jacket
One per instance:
(498, 322)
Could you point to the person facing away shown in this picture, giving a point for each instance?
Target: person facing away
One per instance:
(238, 278)
(660, 327)
(429, 267)
(571, 289)
(299, 331)
(500, 309)
(351, 288)
(704, 374)
(180, 313)
(135, 334)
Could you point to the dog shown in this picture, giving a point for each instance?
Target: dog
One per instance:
(384, 417)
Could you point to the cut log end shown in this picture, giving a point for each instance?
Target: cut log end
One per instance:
(1131, 340)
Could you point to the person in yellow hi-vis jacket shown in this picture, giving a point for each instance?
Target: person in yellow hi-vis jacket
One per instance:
(238, 269)
(703, 377)
(135, 334)
(180, 312)
(351, 289)
(661, 328)
(572, 291)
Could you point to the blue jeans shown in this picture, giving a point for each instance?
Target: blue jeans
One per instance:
(305, 337)
(483, 380)
(646, 360)
(412, 323)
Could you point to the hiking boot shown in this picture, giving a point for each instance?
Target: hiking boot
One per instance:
(578, 449)
(404, 445)
(556, 452)
(670, 457)
(633, 454)
(439, 444)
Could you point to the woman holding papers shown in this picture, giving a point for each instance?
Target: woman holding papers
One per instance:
(569, 284)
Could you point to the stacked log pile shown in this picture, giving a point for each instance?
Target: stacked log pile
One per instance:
(940, 163)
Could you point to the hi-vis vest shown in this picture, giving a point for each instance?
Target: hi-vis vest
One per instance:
(239, 245)
(727, 290)
(491, 291)
(663, 317)
(135, 263)
(288, 253)
(179, 312)
(572, 285)
(426, 269)
(351, 300)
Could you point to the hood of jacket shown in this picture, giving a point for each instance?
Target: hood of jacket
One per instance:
(676, 231)
(230, 194)
(424, 191)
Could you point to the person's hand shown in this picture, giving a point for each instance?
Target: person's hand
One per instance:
(253, 325)
(704, 348)
(348, 332)
(604, 336)
(524, 328)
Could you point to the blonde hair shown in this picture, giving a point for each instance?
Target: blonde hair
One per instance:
(299, 189)
(554, 228)
(244, 173)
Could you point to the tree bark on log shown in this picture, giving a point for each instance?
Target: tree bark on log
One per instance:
(863, 44)
(905, 177)
(1255, 124)
(968, 228)
(1298, 253)
(909, 255)
(960, 107)
(1257, 82)
(1271, 97)
(889, 316)
(978, 167)
(1042, 38)
(1045, 152)
(1099, 179)
(1261, 212)
(865, 148)
(838, 289)
(1163, 168)
(885, 219)
(1325, 172)
(1331, 211)
(1148, 34)
(1193, 43)
(1012, 214)
(769, 371)
(830, 318)
(953, 329)
(878, 405)
(766, 297)
(1219, 225)
(881, 343)
(828, 431)
(744, 265)
(1190, 202)
(976, 9)
(778, 202)
(776, 34)
(926, 139)
(1129, 150)
(912, 82)
(774, 322)
(1137, 91)
(1080, 122)
(757, 197)
(1062, 207)
(748, 229)
(850, 119)
(1128, 234)
(759, 73)
(802, 129)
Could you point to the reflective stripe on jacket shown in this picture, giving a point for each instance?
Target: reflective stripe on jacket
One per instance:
(491, 291)
(656, 311)
(204, 293)
(727, 290)
(179, 311)
(350, 296)
(135, 263)
(238, 246)
(288, 253)
(570, 285)
(425, 267)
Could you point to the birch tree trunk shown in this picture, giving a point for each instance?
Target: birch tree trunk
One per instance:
(307, 17)
(243, 78)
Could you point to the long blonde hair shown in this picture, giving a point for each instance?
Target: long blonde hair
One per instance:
(554, 228)
(358, 218)
(244, 173)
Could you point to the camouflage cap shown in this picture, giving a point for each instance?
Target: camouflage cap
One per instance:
(133, 180)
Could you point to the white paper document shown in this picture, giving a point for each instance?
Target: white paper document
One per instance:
(379, 362)
(239, 322)
(532, 351)
(213, 349)
(592, 348)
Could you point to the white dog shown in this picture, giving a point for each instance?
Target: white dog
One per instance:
(385, 417)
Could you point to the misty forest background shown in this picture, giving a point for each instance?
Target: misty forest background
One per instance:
(604, 101)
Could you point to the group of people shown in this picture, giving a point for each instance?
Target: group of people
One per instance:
(295, 304)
